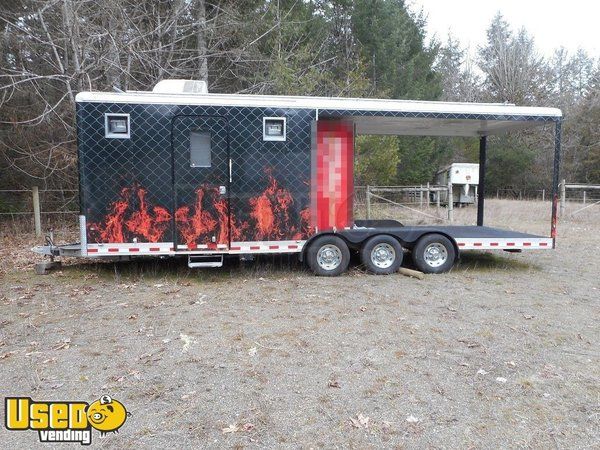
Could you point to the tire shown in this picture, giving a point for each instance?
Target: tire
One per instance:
(381, 255)
(434, 253)
(328, 256)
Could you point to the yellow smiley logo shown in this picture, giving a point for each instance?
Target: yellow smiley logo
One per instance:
(106, 414)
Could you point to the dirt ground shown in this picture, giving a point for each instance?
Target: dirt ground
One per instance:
(502, 352)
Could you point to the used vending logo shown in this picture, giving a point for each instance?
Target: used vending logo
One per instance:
(65, 421)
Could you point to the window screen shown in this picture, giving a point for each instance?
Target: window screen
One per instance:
(273, 128)
(199, 149)
(116, 126)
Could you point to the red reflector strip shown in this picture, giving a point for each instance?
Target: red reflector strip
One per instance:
(527, 244)
(235, 248)
(273, 247)
(255, 247)
(154, 249)
(112, 249)
(92, 250)
(461, 244)
(292, 246)
(543, 244)
(477, 244)
(134, 249)
(493, 244)
(510, 244)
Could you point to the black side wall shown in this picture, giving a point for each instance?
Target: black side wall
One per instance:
(131, 180)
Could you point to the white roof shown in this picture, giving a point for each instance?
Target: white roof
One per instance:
(460, 165)
(507, 117)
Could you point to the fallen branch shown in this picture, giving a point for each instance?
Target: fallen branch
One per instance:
(411, 273)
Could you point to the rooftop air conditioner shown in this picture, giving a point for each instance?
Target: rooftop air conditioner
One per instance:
(181, 87)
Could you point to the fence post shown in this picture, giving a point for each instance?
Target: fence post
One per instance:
(543, 195)
(563, 195)
(368, 195)
(438, 194)
(421, 197)
(584, 195)
(37, 219)
(450, 203)
(427, 193)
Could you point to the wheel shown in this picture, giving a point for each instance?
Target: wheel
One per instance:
(434, 253)
(328, 256)
(381, 255)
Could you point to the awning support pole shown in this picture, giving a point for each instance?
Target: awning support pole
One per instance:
(481, 186)
(555, 177)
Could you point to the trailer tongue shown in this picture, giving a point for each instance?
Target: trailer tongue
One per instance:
(180, 172)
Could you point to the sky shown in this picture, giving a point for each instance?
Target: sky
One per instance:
(572, 24)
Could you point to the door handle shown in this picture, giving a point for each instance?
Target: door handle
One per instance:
(222, 190)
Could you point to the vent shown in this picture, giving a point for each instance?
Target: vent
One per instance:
(180, 87)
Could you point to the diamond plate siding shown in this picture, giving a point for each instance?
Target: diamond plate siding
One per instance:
(337, 113)
(110, 166)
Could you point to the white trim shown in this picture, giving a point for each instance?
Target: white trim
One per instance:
(335, 103)
(504, 243)
(131, 249)
(168, 248)
(267, 247)
(83, 235)
(291, 246)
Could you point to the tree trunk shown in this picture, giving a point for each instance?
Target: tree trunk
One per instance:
(201, 42)
(113, 72)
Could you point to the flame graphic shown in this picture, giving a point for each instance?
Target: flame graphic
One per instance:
(271, 213)
(200, 223)
(271, 217)
(210, 218)
(119, 226)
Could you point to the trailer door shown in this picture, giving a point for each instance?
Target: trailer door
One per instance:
(201, 183)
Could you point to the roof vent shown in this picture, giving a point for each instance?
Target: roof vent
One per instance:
(181, 87)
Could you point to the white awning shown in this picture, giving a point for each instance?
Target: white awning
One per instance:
(371, 116)
(405, 126)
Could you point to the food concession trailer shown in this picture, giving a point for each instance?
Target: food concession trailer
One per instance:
(181, 172)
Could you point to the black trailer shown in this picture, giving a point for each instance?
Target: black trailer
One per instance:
(178, 171)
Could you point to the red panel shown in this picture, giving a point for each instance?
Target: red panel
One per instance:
(333, 176)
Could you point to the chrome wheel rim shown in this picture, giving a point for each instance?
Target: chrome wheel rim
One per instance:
(329, 257)
(435, 254)
(383, 255)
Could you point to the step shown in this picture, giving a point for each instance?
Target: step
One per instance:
(196, 261)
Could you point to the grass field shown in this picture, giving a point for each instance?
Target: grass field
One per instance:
(502, 352)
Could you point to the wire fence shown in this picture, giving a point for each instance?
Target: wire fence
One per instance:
(411, 204)
(521, 194)
(45, 208)
(38, 208)
(578, 197)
